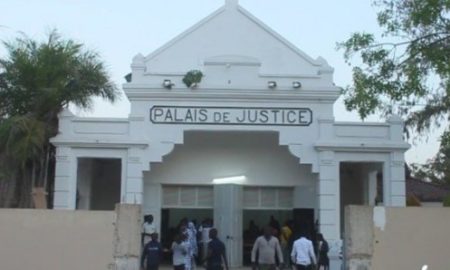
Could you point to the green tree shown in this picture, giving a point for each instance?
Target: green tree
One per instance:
(406, 70)
(37, 81)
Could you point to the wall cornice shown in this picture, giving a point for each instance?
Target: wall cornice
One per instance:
(146, 93)
(98, 143)
(361, 146)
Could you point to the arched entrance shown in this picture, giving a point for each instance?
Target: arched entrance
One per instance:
(275, 184)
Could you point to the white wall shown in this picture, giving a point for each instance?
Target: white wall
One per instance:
(208, 155)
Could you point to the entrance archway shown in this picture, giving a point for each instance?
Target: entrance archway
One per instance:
(283, 182)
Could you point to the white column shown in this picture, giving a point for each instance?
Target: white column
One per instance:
(132, 187)
(396, 180)
(328, 194)
(152, 200)
(395, 172)
(65, 179)
(228, 212)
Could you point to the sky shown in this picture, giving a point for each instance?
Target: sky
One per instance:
(118, 30)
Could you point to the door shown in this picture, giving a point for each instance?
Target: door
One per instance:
(228, 220)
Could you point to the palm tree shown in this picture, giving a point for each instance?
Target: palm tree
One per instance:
(38, 80)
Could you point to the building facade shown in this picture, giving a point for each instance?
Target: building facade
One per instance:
(255, 138)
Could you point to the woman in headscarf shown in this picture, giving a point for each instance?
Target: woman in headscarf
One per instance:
(191, 233)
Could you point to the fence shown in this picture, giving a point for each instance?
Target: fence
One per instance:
(70, 240)
(397, 238)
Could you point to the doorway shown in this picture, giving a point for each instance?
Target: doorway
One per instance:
(361, 183)
(170, 227)
(254, 222)
(98, 183)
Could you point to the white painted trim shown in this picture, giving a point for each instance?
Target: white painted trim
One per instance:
(231, 94)
(101, 119)
(100, 143)
(292, 76)
(361, 146)
(362, 124)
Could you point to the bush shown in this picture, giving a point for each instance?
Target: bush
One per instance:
(446, 202)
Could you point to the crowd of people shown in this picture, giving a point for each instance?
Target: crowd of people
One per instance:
(277, 248)
(187, 251)
(195, 245)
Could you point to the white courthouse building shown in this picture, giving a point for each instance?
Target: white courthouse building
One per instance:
(255, 138)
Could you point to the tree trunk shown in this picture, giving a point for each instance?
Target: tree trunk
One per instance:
(10, 190)
(25, 187)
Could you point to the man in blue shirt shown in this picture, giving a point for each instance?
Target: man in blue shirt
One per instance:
(216, 253)
(151, 254)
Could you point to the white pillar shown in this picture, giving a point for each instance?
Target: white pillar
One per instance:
(396, 180)
(328, 194)
(133, 186)
(228, 201)
(64, 196)
(151, 204)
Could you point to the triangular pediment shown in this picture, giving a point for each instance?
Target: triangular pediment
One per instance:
(232, 35)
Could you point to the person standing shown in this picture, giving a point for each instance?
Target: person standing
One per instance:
(323, 249)
(303, 253)
(179, 252)
(285, 239)
(267, 247)
(205, 228)
(151, 254)
(192, 239)
(216, 255)
(148, 228)
(188, 247)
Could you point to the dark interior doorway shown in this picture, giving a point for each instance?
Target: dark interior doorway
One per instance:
(98, 183)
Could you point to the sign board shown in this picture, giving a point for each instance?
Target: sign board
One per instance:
(260, 116)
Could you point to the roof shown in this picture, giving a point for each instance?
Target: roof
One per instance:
(426, 191)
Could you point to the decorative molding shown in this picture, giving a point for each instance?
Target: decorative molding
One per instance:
(368, 146)
(297, 150)
(134, 160)
(136, 118)
(100, 119)
(99, 144)
(240, 94)
(327, 162)
(326, 120)
(290, 76)
(397, 163)
(62, 158)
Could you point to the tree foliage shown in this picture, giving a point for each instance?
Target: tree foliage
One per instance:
(37, 81)
(406, 70)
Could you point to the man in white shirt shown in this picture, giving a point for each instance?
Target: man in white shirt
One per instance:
(303, 253)
(148, 228)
